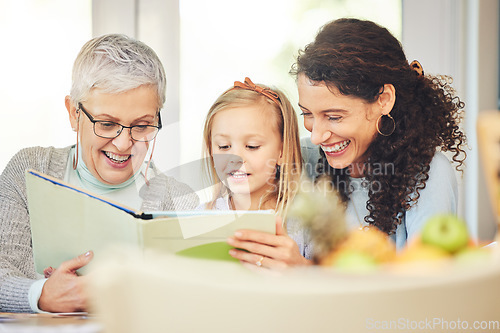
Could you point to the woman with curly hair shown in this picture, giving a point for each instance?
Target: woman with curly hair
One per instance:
(381, 126)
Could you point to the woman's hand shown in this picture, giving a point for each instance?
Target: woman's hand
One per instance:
(266, 250)
(64, 291)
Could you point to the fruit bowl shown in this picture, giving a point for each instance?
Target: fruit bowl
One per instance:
(169, 293)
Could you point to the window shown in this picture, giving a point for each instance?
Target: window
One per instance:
(226, 40)
(220, 41)
(40, 42)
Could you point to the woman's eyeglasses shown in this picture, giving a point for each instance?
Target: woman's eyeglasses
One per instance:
(110, 130)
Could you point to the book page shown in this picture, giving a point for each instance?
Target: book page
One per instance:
(66, 223)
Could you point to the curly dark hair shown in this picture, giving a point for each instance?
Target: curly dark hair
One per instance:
(358, 57)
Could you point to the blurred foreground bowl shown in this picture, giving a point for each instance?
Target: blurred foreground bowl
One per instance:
(153, 293)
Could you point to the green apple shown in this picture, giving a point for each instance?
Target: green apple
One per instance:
(355, 262)
(447, 232)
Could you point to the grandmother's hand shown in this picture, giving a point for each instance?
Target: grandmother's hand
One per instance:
(64, 291)
(266, 250)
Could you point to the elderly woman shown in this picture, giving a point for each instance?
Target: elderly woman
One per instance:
(114, 107)
(379, 128)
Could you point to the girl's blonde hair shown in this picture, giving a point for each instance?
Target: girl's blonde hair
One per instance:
(286, 120)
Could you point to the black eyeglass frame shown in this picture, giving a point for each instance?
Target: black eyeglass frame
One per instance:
(93, 121)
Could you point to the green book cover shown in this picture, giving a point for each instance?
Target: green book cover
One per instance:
(67, 221)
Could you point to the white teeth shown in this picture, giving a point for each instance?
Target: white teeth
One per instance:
(117, 158)
(338, 147)
(238, 174)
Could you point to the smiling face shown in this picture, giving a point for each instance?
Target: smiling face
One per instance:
(246, 146)
(344, 126)
(113, 161)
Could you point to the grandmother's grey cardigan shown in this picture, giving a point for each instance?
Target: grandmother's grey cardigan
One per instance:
(17, 271)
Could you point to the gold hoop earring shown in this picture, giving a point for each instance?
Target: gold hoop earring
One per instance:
(393, 125)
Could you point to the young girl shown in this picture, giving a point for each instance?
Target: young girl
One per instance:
(252, 149)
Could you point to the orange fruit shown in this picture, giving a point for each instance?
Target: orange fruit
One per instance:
(368, 241)
(421, 252)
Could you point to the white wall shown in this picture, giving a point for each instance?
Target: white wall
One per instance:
(483, 20)
(460, 38)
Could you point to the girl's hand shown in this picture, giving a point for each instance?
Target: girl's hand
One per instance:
(266, 250)
(47, 272)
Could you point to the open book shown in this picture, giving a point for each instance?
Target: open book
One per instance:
(67, 221)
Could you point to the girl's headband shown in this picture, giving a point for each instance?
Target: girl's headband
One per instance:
(249, 85)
